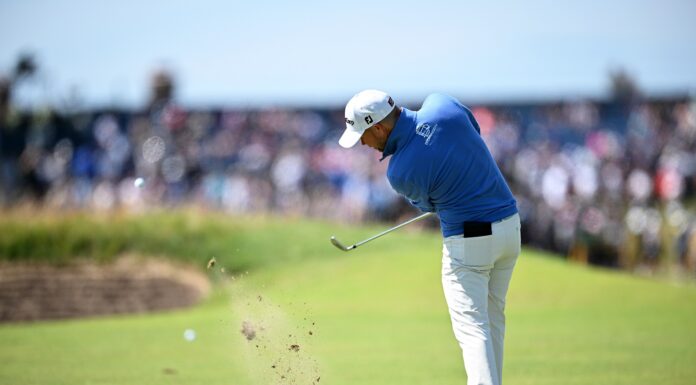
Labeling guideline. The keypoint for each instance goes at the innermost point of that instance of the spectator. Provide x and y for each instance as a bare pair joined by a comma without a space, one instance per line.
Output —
605,185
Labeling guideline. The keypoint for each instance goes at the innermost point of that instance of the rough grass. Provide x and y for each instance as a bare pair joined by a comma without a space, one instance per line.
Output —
237,243
377,317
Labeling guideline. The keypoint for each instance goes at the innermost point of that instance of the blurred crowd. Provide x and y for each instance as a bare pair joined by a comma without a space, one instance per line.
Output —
610,183
607,183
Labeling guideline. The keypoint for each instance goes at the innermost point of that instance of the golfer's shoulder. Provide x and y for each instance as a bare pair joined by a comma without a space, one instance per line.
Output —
439,105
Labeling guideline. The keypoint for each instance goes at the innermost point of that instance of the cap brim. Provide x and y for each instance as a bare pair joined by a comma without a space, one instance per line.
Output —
349,138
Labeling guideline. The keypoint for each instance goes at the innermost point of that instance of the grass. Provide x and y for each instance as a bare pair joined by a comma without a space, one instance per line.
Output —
191,236
377,316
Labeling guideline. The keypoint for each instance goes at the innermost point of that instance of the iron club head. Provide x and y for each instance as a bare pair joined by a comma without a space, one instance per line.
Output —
339,245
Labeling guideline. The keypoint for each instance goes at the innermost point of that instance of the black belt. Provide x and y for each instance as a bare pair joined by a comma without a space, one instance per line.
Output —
477,229
481,229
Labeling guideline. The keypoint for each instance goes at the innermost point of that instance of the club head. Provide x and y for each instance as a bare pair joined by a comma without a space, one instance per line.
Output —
339,245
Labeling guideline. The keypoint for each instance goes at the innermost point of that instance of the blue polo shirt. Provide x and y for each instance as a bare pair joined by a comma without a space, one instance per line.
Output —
440,163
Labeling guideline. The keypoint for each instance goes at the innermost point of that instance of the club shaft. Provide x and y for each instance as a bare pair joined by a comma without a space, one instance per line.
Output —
393,228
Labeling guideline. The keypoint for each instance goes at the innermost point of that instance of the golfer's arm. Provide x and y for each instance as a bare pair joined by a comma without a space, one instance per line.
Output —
421,200
425,207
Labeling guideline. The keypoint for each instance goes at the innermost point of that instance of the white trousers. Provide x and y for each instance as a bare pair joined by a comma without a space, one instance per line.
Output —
476,274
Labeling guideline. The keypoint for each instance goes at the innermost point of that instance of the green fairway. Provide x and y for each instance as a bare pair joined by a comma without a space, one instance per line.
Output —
376,316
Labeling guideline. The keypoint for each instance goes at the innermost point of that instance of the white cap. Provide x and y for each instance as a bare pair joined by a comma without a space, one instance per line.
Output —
364,110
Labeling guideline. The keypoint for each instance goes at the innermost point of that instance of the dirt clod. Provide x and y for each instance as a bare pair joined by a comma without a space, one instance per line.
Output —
248,330
294,348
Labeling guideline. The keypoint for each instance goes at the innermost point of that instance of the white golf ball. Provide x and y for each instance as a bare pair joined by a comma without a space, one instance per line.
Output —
139,182
189,335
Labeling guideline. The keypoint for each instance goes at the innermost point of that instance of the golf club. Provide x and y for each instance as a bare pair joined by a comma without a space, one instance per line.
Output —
340,245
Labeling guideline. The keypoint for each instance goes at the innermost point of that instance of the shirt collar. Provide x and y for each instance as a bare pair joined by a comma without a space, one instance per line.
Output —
402,130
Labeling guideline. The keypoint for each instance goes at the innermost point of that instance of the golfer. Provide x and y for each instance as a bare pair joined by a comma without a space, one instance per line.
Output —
440,163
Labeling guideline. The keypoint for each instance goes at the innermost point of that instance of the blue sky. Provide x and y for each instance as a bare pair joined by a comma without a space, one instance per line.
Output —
321,52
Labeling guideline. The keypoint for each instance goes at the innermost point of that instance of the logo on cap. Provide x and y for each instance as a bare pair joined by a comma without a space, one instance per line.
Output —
352,123
368,119
390,101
